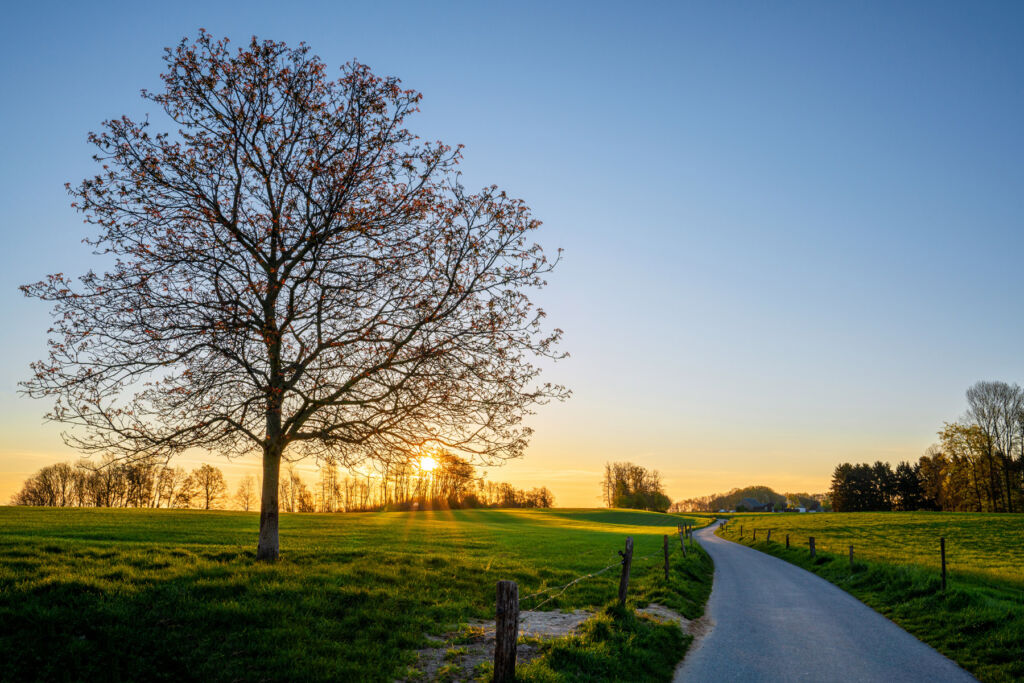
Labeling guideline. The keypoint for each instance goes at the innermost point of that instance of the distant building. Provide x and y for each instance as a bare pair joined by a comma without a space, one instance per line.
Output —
755,505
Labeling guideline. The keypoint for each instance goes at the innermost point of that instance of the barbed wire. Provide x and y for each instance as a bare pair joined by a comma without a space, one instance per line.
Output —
573,583
563,588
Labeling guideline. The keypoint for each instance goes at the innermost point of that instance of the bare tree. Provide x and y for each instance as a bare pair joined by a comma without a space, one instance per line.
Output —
995,407
246,493
294,274
210,485
171,481
187,494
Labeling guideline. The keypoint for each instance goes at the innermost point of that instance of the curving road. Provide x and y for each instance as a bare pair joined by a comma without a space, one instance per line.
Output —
775,621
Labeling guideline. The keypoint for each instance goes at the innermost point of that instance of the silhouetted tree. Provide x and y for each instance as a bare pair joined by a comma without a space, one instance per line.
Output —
210,485
246,493
909,493
293,273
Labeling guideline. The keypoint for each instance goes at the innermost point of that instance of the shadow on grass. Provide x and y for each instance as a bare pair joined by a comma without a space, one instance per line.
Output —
210,614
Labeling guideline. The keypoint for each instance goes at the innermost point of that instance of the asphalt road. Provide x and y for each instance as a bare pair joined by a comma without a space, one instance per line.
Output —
776,622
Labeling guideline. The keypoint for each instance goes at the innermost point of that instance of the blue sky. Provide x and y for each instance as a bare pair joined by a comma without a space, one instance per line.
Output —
793,231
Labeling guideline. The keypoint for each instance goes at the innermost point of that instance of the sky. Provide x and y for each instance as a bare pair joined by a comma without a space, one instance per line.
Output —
792,230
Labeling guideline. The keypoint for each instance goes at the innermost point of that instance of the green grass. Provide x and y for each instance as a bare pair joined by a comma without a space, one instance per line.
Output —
617,645
978,621
176,595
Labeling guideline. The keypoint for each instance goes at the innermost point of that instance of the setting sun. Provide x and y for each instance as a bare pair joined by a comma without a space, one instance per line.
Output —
427,463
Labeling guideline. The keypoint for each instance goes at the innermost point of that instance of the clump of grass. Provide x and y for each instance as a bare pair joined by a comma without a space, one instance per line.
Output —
616,645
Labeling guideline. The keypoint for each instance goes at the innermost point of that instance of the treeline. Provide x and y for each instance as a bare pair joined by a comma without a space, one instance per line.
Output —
626,485
451,483
142,484
977,466
762,494
869,488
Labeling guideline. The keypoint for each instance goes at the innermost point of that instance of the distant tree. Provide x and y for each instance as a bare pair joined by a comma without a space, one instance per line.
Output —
626,485
909,492
304,501
843,496
968,476
293,273
542,498
996,407
863,487
885,485
188,494
209,485
246,493
804,500
171,482
932,467
729,500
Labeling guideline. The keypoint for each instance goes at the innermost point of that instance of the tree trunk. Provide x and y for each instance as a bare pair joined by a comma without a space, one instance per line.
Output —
268,548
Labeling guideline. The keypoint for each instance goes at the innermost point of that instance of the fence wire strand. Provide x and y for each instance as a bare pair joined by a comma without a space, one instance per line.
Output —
563,588
567,586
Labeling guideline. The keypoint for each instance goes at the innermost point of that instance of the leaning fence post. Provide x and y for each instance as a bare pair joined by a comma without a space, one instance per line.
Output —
942,550
811,542
627,560
666,556
506,631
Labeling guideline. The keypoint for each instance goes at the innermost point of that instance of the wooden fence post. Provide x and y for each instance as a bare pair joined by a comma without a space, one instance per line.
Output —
682,543
627,560
506,631
755,536
741,531
666,556
851,557
942,549
769,539
787,541
811,542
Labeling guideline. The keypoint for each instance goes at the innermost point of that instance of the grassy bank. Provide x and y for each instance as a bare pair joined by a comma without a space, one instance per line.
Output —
978,621
172,595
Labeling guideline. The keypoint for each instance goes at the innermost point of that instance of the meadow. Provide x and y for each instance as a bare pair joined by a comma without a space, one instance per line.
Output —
977,621
120,594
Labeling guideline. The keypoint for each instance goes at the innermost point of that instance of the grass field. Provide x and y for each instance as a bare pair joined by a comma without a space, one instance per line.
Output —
978,620
101,594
